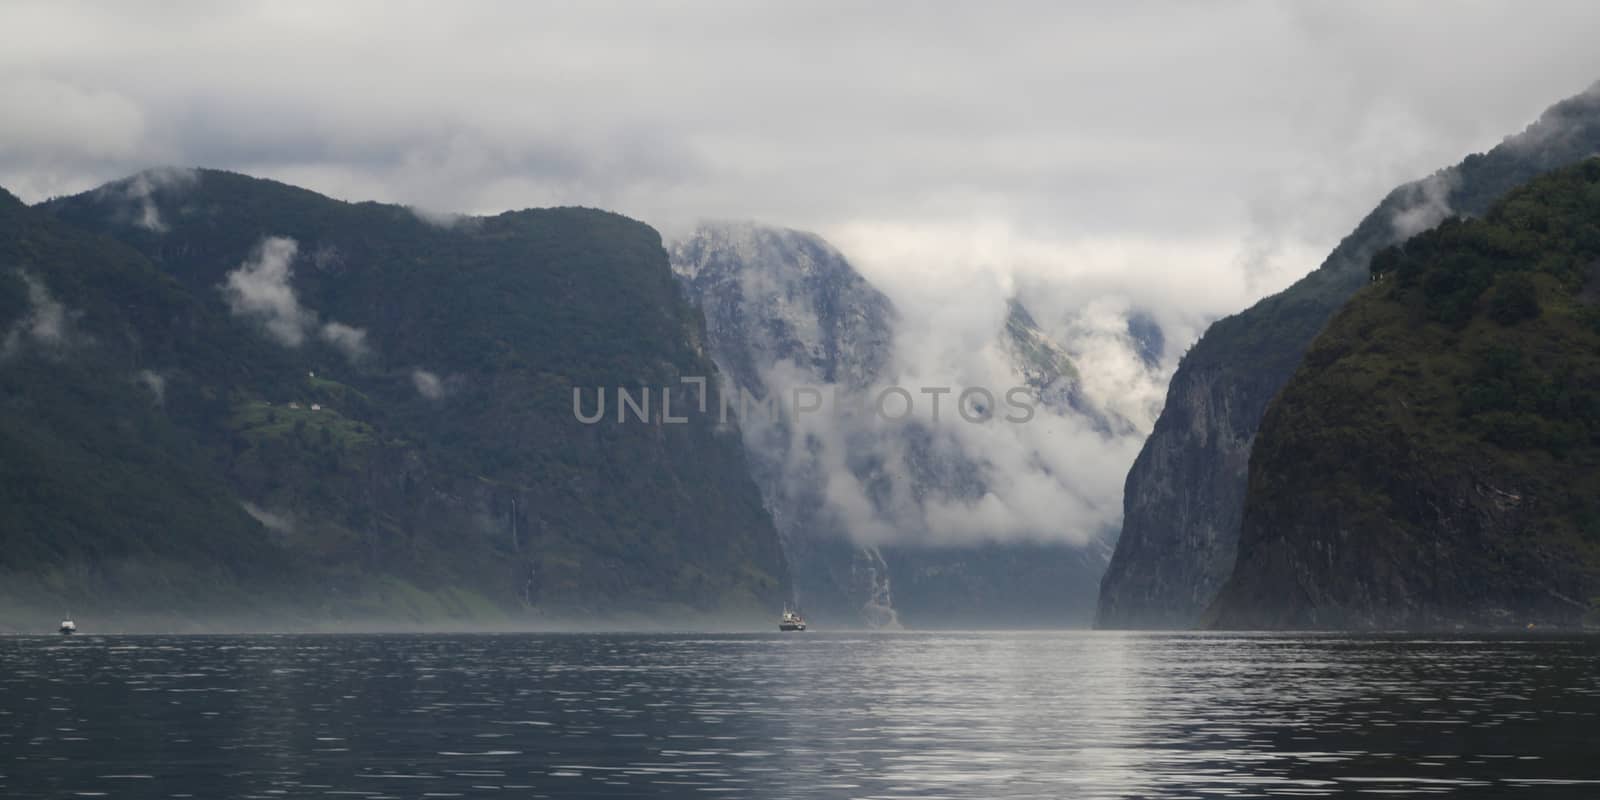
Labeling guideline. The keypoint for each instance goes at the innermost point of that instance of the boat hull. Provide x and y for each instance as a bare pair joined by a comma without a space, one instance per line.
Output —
791,626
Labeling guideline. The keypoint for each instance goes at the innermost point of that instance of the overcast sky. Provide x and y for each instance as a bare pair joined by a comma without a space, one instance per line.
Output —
1192,156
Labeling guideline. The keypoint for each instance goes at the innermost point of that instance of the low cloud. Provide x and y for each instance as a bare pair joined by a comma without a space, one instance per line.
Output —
1121,312
1115,373
350,341
1426,204
441,219
141,192
261,289
1091,361
428,384
47,326
155,382
950,482
277,523
1559,125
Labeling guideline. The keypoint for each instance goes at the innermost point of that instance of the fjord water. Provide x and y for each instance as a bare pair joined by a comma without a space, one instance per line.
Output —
984,715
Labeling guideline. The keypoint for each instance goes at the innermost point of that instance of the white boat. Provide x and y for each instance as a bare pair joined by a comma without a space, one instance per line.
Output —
68,627
791,621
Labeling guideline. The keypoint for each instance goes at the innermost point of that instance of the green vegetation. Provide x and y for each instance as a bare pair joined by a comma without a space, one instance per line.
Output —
1509,303
94,475
166,454
1436,457
1186,492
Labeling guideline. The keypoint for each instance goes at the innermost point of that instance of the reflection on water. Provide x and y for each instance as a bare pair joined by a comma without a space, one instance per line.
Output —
983,715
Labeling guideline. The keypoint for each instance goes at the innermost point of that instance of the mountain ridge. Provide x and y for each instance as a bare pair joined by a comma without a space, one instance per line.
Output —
388,402
1432,462
1184,496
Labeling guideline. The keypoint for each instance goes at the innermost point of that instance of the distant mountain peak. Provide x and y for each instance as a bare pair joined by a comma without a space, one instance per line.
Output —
1042,361
788,295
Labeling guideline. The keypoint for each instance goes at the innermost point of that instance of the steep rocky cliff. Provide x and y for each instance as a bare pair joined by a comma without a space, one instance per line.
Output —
377,409
849,491
783,308
1435,460
1183,500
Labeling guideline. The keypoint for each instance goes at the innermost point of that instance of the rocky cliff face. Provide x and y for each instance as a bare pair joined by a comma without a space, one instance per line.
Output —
1182,506
846,490
785,296
783,309
1183,500
381,403
1435,460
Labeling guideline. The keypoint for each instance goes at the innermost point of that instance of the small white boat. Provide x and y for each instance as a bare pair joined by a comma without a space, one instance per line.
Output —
68,627
791,621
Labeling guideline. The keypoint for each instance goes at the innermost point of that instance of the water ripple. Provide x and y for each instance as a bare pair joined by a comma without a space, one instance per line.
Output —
970,715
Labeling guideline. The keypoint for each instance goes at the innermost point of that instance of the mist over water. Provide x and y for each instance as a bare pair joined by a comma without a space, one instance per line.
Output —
827,716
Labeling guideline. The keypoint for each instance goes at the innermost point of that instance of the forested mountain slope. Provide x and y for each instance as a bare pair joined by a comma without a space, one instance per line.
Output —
260,398
1435,461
